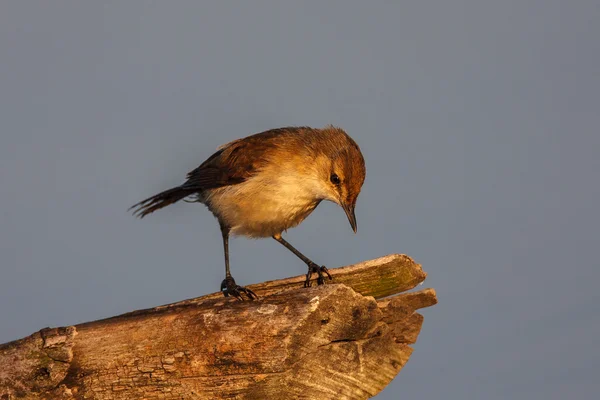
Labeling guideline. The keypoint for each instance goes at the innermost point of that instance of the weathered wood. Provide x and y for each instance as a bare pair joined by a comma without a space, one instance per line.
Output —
381,277
326,342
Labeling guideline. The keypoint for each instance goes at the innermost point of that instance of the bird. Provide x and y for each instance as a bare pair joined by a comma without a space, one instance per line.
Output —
261,185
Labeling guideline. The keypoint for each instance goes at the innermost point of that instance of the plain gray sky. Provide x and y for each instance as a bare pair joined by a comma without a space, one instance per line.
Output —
479,122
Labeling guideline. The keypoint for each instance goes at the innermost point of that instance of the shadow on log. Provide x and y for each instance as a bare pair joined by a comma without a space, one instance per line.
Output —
335,341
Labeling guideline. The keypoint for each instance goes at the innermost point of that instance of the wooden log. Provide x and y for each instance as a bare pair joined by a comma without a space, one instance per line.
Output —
333,341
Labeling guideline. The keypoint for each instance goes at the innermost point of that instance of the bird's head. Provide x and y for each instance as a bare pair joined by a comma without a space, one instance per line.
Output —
342,174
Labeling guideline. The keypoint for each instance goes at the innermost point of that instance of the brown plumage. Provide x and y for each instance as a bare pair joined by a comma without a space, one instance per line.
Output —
261,185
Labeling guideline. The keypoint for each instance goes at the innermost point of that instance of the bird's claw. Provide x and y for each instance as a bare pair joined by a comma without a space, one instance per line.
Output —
320,271
230,288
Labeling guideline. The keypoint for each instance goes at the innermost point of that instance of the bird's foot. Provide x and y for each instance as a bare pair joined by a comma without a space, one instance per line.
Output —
230,288
321,271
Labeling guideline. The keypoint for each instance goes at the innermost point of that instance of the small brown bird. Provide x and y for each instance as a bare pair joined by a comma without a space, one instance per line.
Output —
261,185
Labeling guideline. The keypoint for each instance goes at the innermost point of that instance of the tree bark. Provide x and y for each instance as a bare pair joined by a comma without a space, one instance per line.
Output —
334,341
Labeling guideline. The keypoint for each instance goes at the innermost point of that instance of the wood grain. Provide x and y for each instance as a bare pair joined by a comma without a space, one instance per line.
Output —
334,341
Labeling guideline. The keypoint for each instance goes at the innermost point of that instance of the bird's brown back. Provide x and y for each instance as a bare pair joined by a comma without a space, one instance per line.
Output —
240,159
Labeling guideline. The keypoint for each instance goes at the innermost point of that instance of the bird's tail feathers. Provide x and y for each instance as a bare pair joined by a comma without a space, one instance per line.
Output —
161,200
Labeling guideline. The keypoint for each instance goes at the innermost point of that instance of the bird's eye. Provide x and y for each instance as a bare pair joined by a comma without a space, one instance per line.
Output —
335,179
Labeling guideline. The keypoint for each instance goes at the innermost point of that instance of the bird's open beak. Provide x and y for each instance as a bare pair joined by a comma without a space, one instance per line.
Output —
349,209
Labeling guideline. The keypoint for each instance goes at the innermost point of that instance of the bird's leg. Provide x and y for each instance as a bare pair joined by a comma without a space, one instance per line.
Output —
228,286
312,267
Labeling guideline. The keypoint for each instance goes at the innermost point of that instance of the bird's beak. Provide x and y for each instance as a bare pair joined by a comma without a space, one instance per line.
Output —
349,209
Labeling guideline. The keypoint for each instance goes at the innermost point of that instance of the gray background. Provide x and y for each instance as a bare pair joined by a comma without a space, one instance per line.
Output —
478,120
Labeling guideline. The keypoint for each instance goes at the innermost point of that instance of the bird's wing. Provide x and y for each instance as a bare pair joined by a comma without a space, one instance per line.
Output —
236,161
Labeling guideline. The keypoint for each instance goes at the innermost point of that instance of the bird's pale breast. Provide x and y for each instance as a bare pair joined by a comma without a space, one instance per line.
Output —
264,205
